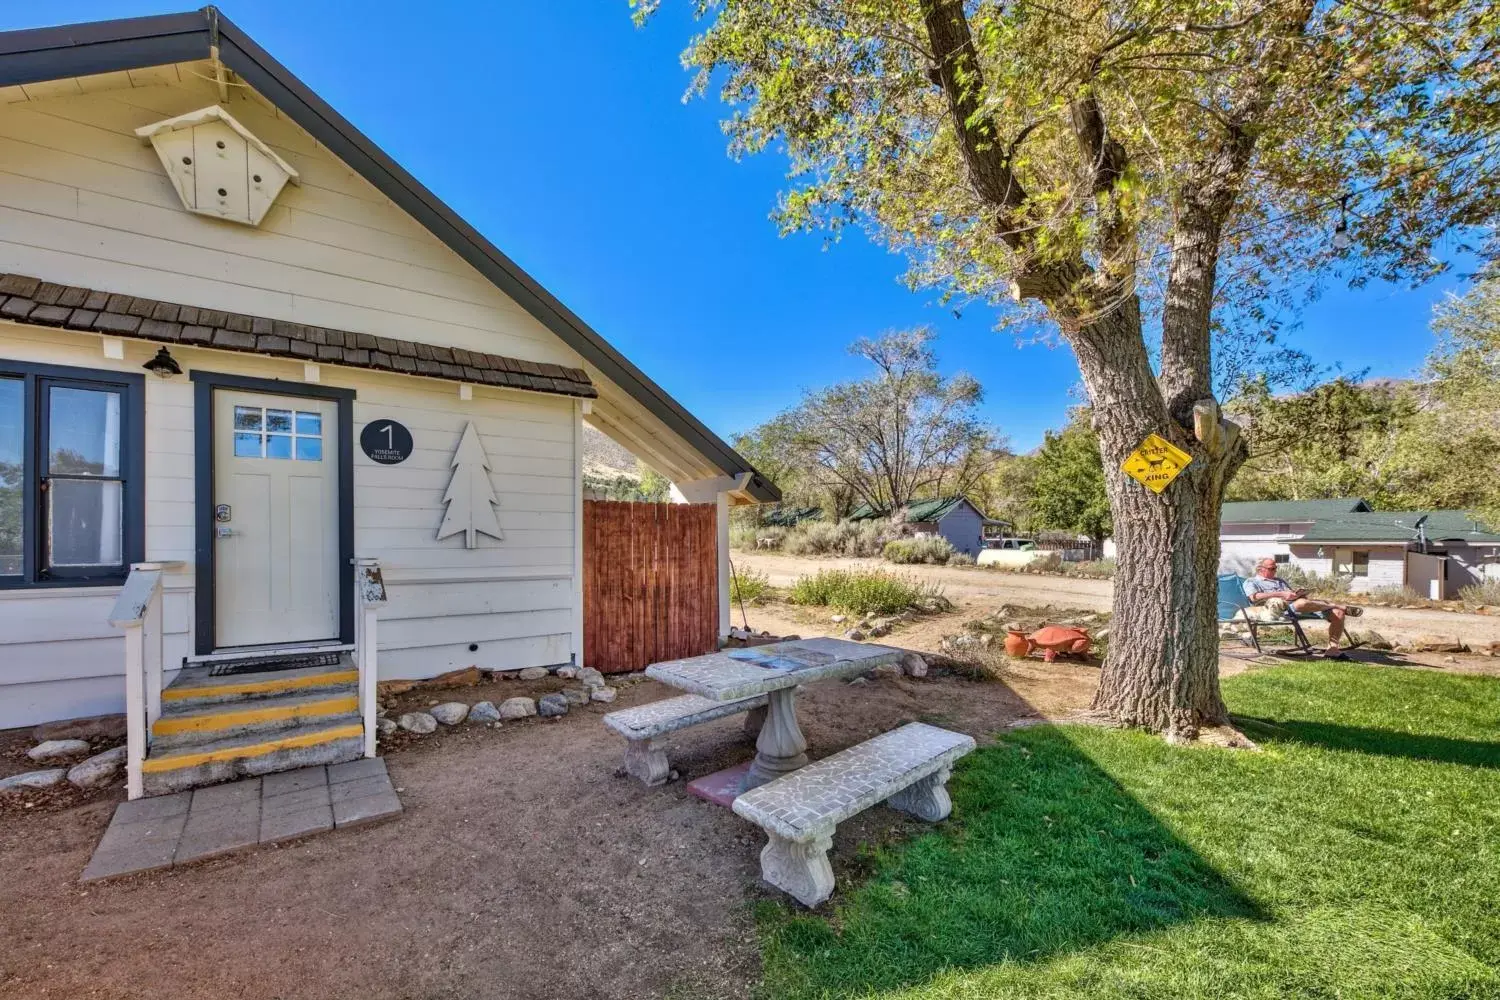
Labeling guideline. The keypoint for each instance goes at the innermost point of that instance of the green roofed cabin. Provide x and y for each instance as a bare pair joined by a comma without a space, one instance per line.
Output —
1436,553
955,518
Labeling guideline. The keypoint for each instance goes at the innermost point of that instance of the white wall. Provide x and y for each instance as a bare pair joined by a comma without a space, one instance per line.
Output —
1387,564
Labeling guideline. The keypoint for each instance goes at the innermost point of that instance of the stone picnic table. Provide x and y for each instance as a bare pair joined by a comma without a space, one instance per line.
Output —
775,671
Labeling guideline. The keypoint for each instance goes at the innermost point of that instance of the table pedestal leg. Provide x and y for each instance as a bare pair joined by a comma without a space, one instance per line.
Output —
781,746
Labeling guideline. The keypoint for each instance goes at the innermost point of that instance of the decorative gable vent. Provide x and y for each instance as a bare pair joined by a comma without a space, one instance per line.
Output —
217,166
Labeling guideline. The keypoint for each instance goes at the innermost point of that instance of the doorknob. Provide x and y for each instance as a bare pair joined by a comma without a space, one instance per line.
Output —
223,531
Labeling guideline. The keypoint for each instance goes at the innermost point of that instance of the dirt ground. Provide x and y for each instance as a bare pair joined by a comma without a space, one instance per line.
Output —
978,589
526,864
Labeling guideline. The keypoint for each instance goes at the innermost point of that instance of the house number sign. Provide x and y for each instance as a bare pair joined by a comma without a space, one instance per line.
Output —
386,442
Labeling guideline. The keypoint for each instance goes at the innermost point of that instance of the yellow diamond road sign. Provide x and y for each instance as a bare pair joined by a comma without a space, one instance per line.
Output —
1156,462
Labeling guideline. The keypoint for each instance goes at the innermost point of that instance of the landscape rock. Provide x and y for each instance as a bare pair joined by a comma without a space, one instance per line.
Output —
94,727
386,727
450,713
552,705
33,779
877,631
577,696
533,673
604,694
53,750
484,712
567,673
839,619
888,671
914,665
854,634
590,677
417,722
99,770
1437,644
517,708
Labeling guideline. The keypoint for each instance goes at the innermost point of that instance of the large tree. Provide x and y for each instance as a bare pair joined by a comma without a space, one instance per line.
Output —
1137,173
1067,487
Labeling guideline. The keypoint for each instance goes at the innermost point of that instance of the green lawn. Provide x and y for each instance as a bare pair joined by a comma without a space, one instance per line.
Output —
1358,855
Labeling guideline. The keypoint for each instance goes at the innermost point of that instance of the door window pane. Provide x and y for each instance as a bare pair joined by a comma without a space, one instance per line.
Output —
310,423
83,432
83,522
247,418
279,421
309,449
12,440
246,445
278,446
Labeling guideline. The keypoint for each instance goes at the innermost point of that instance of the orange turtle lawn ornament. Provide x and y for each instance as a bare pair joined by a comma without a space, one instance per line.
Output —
1052,640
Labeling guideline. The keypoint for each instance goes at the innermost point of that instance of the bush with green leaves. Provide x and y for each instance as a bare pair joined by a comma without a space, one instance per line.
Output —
1487,592
750,536
868,592
1314,583
932,550
837,538
748,586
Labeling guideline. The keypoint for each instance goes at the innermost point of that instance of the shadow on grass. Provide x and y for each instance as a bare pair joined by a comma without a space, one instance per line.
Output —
1382,742
1046,854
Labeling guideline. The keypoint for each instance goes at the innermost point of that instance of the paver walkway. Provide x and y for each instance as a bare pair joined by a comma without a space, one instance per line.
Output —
167,830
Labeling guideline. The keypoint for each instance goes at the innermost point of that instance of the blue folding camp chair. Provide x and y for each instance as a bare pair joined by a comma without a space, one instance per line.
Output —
1234,609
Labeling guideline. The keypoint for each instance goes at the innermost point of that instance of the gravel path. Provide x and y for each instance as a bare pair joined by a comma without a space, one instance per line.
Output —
993,587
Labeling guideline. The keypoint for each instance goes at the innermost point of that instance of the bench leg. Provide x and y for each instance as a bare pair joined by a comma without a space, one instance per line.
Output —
927,799
800,870
646,760
754,719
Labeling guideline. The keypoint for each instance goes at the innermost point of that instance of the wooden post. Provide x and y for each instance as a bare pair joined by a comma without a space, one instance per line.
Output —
367,676
135,709
137,612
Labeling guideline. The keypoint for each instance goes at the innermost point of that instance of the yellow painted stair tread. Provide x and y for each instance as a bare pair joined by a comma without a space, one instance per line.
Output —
260,686
289,741
248,715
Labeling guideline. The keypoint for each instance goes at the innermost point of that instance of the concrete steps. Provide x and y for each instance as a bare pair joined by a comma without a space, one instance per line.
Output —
215,729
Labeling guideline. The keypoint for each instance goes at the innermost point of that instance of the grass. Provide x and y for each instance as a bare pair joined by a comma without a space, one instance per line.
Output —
1354,857
863,592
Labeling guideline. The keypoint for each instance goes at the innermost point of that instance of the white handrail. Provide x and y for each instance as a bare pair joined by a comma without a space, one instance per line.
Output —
369,591
137,611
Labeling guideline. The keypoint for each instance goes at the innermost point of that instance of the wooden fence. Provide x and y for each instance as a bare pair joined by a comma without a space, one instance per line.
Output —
650,583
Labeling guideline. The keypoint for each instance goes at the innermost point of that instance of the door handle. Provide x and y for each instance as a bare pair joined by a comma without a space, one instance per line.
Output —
223,531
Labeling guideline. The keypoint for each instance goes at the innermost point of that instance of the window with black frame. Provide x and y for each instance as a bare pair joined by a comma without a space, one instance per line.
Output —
70,470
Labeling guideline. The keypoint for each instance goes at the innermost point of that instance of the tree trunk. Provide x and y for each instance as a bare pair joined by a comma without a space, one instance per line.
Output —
1162,668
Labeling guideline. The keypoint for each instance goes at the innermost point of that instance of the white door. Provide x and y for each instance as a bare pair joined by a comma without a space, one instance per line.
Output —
276,520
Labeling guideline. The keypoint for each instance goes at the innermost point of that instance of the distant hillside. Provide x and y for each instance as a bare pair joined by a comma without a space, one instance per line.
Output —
606,458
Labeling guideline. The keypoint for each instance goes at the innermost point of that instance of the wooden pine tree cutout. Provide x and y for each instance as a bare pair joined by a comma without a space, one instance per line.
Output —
470,499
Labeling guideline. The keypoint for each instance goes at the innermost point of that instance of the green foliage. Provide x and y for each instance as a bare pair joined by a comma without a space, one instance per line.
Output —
1352,858
843,538
1068,482
646,486
934,550
748,585
867,592
750,536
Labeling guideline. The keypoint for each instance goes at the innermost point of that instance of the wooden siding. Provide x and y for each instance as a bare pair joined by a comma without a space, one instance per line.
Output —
83,201
650,583
514,599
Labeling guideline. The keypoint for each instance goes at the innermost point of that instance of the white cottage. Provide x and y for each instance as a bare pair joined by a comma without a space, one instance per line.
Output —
266,402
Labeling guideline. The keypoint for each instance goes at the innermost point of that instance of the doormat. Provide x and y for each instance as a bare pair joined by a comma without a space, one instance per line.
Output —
257,664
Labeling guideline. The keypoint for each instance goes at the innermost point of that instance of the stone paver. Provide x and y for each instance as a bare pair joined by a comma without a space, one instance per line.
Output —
164,830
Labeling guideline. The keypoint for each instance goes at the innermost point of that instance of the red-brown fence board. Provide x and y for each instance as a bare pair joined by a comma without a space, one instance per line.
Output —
650,583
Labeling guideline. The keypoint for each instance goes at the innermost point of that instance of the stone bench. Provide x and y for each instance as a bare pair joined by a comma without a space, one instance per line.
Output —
644,726
906,768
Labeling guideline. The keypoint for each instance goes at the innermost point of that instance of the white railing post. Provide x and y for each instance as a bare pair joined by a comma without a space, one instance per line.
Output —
138,613
369,588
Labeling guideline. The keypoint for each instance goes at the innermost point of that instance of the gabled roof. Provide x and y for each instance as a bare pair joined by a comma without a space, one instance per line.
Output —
786,517
1400,526
1284,511
43,54
919,511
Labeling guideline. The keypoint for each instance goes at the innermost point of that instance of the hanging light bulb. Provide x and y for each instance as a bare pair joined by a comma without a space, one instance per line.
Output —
1341,239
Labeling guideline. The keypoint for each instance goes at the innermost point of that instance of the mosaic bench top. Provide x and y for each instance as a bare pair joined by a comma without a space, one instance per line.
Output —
646,721
809,802
731,674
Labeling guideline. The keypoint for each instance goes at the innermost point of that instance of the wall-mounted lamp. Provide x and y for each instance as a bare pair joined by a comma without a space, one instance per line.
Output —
163,364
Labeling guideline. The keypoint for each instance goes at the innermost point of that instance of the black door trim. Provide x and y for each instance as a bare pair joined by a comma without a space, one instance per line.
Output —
204,384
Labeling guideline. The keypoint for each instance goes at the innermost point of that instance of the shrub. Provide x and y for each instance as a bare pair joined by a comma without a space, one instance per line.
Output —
932,550
1396,595
748,585
836,538
1094,569
1487,592
868,592
751,537
1315,583
960,559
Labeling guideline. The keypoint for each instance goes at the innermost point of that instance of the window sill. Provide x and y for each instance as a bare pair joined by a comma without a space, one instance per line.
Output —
60,590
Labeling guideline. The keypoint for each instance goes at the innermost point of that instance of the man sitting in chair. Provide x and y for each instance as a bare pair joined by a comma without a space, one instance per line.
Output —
1271,598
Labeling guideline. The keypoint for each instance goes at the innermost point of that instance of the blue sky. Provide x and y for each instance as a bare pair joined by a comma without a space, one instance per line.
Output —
558,129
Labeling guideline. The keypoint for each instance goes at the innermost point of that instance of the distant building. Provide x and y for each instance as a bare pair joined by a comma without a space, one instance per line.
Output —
955,518
1436,553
